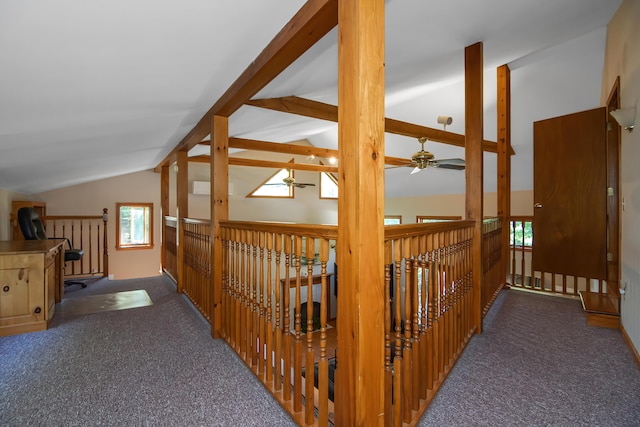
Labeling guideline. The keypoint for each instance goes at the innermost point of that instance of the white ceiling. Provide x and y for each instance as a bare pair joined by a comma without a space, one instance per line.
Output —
90,90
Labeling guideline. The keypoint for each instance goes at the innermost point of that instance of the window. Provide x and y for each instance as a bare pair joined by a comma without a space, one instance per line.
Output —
436,218
328,186
392,219
275,186
134,225
521,234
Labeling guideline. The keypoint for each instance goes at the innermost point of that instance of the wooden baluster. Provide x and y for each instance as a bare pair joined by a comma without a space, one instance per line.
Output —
512,242
414,320
90,246
309,371
224,327
242,295
268,332
397,362
287,325
236,291
297,349
253,306
457,271
450,316
323,364
388,370
431,312
277,384
423,347
105,249
441,304
262,313
407,357
83,260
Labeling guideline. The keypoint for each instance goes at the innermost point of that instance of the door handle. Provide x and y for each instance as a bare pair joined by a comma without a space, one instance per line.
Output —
537,205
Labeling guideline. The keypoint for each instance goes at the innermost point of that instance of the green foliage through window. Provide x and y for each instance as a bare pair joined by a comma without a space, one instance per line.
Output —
521,234
134,225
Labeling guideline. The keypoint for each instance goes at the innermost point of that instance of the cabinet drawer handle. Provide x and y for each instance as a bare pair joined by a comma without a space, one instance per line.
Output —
6,288
38,310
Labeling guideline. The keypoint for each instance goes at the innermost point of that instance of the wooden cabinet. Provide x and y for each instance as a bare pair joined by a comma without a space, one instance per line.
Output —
31,282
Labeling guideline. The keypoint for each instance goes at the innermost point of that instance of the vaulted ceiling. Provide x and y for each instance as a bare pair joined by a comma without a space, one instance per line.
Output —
90,90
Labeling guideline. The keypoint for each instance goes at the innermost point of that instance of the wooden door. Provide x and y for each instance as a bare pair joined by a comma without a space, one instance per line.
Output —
570,195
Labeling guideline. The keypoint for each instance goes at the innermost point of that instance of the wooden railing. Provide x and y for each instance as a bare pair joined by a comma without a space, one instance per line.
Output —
86,232
195,278
493,266
170,243
263,317
522,275
428,311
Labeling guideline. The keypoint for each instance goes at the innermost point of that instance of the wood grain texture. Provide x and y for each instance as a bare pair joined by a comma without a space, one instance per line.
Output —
219,173
504,160
474,123
360,245
320,110
570,185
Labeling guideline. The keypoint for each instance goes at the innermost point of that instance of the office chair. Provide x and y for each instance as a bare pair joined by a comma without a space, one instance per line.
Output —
33,229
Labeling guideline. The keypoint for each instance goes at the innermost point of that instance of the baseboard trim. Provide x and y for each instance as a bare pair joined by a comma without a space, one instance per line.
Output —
632,347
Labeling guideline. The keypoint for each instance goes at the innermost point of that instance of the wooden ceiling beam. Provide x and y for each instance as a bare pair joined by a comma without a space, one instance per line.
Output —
312,22
235,161
304,150
320,110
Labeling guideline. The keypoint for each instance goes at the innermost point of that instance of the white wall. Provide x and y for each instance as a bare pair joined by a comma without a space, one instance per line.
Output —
91,198
622,59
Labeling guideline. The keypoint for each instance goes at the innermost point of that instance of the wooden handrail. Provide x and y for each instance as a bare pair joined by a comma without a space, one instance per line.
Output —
410,230
311,230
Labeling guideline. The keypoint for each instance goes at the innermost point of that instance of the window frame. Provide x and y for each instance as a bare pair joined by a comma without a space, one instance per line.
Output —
333,179
146,245
420,219
292,194
394,217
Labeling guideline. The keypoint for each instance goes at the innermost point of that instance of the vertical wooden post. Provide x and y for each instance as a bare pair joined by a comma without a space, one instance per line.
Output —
473,64
219,212
182,190
360,251
164,211
182,183
504,163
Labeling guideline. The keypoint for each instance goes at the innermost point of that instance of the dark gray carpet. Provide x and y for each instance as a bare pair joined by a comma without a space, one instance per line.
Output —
538,364
149,366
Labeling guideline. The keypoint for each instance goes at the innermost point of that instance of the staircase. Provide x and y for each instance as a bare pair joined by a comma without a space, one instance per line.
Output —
601,310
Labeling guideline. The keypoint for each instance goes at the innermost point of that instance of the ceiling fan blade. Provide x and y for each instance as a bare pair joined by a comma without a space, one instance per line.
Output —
415,170
303,184
457,164
440,162
453,167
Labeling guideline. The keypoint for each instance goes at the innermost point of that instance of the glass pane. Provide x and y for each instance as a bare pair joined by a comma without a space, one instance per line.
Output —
328,188
134,225
275,187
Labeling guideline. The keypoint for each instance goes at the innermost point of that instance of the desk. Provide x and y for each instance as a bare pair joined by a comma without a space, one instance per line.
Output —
31,282
316,280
